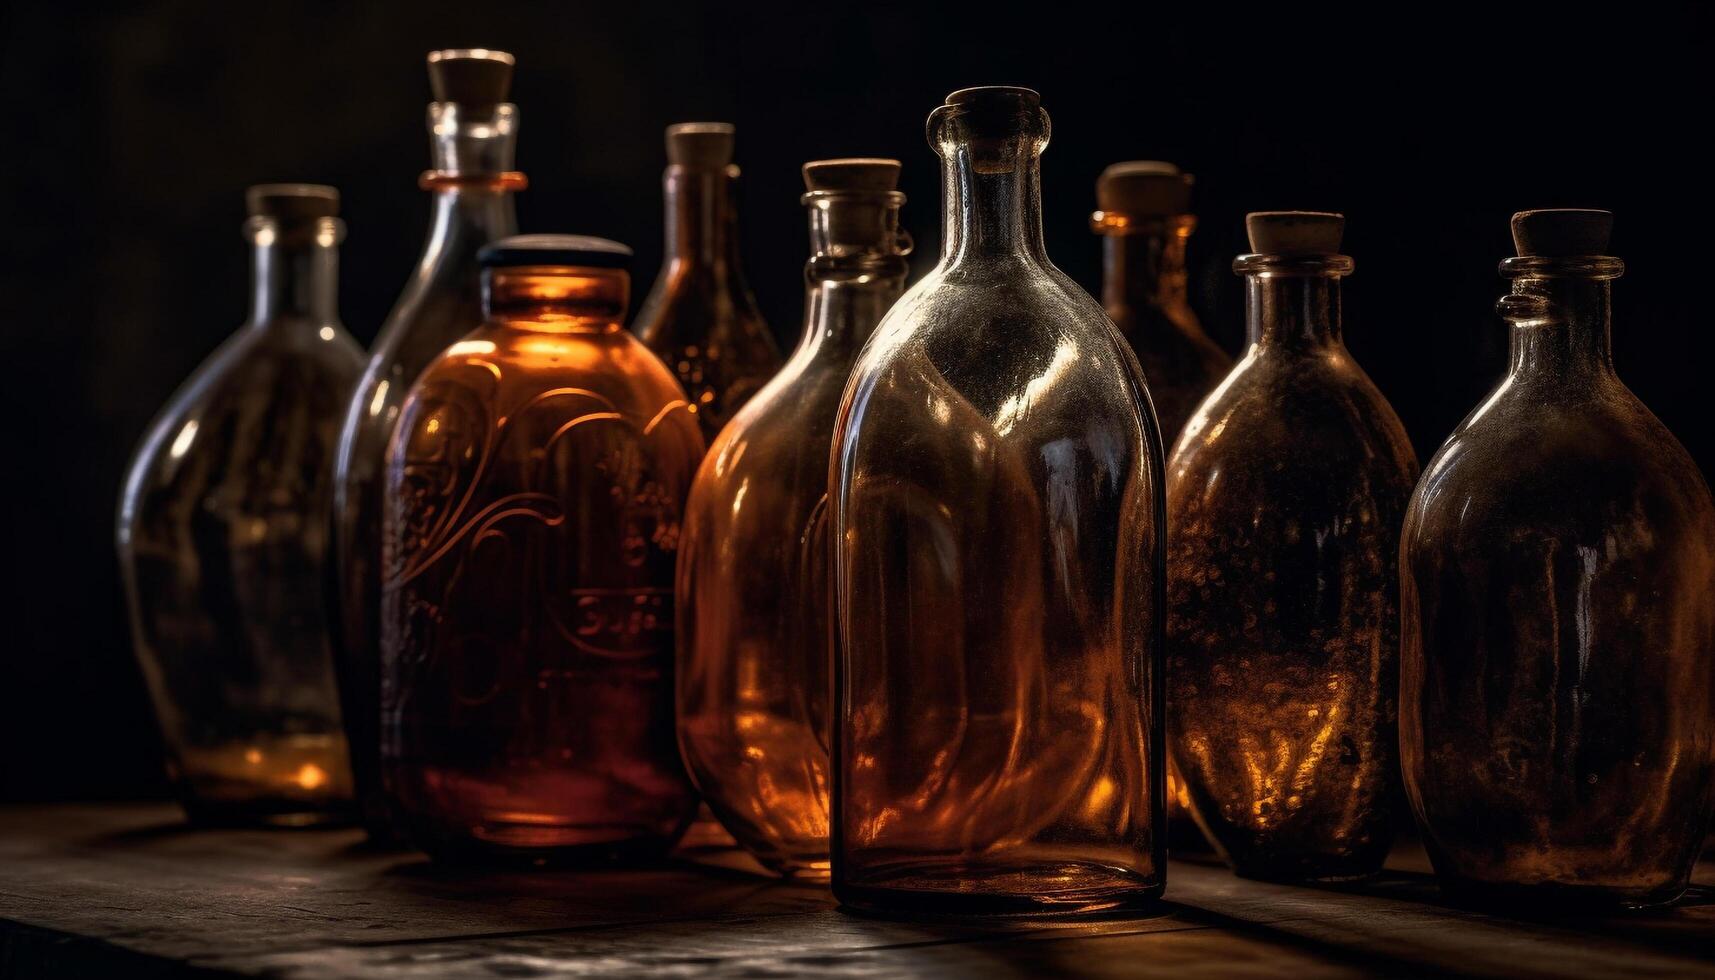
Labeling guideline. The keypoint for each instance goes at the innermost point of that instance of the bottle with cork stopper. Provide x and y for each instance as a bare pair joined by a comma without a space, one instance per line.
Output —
1285,497
700,316
1557,688
1144,219
473,133
222,536
752,587
996,517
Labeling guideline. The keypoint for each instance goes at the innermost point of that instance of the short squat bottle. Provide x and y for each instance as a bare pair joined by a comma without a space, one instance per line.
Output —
1285,497
1145,220
1558,588
223,534
534,491
473,132
753,586
700,317
997,513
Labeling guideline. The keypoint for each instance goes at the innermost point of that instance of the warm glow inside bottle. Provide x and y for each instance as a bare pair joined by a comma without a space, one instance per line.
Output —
1285,497
222,537
997,515
1557,696
753,591
700,317
534,490
473,134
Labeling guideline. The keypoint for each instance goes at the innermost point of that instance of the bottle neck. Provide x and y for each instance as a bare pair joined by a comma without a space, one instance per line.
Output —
472,150
556,299
1144,267
1561,315
702,224
1293,302
991,201
857,267
294,274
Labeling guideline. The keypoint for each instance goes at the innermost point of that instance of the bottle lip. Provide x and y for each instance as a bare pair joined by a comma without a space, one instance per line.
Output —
1120,224
1270,266
322,232
1562,267
889,198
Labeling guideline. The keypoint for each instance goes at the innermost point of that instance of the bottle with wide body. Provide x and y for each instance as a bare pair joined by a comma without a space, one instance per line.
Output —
222,538
1285,497
1557,717
754,624
473,133
535,485
998,528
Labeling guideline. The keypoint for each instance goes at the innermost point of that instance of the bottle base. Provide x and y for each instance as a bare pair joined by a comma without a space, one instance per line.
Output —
921,890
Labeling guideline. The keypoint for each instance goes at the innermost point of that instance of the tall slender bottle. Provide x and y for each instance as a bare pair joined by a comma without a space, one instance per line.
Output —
1285,496
473,134
700,317
534,489
753,617
1145,219
999,532
223,532
1557,696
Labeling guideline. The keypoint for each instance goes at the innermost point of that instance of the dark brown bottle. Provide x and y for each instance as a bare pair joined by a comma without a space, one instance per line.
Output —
222,538
1557,697
473,134
700,317
532,517
1144,221
1285,497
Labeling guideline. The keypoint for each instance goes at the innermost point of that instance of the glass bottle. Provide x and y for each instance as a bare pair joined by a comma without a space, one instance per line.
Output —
1557,696
222,535
1145,220
753,618
473,134
700,317
1285,497
534,489
998,528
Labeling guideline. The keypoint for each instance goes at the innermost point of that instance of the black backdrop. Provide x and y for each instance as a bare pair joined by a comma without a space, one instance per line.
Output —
132,129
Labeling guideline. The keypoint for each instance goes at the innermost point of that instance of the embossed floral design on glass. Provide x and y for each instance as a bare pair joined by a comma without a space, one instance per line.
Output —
473,134
754,627
534,491
222,536
1285,497
700,317
998,527
1557,697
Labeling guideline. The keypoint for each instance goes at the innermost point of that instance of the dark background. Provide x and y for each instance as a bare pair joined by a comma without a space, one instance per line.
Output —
131,131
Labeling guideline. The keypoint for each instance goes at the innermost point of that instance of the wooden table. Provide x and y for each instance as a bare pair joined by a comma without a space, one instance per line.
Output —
130,891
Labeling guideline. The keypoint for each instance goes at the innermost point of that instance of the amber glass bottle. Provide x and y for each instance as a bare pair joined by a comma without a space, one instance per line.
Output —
1558,595
534,491
700,317
998,527
1284,502
1144,220
753,616
472,135
222,534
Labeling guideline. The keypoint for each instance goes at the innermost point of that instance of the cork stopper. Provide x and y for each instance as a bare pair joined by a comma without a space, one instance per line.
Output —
1144,189
700,145
1562,232
471,76
292,204
1295,232
996,96
857,175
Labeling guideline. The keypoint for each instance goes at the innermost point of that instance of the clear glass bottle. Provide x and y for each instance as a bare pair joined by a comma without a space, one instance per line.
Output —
1557,696
222,536
753,591
700,317
1285,497
473,134
1145,219
534,489
999,534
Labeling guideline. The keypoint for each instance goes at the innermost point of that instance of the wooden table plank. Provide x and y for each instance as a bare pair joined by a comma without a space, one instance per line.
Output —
129,888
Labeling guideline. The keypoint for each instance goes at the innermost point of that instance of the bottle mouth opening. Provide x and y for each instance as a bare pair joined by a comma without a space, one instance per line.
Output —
1562,267
1267,266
